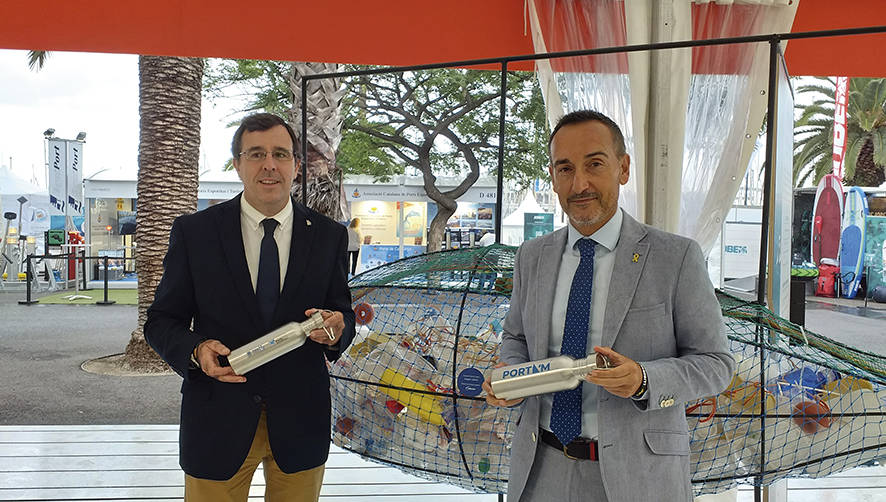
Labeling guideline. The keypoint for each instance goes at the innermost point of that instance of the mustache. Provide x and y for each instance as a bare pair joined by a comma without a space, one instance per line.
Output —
583,195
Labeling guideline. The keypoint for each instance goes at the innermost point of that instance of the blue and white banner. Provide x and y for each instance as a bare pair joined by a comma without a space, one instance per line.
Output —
57,163
75,177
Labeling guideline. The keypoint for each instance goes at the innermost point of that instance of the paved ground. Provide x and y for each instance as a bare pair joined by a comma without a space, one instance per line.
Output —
41,350
43,346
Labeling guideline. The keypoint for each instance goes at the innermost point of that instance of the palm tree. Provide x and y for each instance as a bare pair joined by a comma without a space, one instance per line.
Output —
865,155
170,90
325,190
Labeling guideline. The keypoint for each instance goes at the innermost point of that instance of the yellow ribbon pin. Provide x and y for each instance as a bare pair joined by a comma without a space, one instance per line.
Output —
636,257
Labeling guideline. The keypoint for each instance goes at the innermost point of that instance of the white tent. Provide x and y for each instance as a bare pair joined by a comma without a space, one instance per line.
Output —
512,225
11,185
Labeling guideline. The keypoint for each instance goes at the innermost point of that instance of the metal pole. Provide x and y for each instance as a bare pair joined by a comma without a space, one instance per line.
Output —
707,42
106,301
499,189
768,167
83,261
28,273
304,141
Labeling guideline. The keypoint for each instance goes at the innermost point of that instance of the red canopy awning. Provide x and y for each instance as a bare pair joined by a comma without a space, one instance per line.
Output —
394,32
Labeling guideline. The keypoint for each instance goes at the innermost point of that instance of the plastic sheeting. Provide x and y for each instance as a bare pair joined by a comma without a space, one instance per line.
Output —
723,88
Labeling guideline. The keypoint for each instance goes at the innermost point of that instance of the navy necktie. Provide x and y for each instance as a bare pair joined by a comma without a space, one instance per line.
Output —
566,412
267,286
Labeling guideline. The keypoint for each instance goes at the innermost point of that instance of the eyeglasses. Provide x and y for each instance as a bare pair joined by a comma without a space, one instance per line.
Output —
259,155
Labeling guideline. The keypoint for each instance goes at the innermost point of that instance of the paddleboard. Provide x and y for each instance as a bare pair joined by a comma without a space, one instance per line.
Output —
852,241
827,212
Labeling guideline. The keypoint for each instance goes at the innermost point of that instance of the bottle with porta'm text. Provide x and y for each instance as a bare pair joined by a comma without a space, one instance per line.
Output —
544,376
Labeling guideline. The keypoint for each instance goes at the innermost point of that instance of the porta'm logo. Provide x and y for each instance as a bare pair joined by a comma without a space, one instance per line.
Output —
529,369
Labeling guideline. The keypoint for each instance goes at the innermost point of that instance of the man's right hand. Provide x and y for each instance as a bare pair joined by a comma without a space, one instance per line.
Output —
207,354
494,401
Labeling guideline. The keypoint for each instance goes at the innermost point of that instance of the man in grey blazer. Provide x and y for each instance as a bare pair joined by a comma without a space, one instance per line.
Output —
651,310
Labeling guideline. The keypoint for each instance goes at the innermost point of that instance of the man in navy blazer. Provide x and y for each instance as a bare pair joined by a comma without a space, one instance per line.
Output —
206,304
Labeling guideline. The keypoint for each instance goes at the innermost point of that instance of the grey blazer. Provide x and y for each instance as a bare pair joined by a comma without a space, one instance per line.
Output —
662,312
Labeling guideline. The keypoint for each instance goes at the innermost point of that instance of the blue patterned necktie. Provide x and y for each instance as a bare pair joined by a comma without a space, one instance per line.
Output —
267,286
566,412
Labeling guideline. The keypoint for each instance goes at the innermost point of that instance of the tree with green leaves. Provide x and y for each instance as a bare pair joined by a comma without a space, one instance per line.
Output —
443,122
275,87
433,122
865,155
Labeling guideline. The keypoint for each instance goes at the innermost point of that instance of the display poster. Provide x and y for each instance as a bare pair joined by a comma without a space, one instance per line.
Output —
374,255
472,215
378,221
414,220
875,252
36,220
537,224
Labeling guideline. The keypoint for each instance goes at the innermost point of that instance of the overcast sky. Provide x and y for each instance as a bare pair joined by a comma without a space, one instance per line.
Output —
94,93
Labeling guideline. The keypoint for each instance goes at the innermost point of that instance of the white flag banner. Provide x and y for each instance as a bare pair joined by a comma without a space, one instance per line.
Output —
57,159
75,177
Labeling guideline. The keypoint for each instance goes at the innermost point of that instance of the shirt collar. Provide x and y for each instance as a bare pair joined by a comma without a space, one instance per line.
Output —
606,236
255,217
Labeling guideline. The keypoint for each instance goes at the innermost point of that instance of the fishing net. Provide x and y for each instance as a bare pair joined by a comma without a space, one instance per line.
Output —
407,391
818,411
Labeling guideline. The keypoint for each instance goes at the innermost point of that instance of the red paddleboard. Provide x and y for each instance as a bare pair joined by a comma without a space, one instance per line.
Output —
827,215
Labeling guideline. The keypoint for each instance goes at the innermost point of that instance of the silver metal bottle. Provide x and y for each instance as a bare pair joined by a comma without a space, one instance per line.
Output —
284,339
543,376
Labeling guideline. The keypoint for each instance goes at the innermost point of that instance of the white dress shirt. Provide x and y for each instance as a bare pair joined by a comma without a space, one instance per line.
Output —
606,238
253,232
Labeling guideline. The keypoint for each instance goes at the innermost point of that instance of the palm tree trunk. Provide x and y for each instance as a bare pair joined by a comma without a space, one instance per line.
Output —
169,147
867,173
325,190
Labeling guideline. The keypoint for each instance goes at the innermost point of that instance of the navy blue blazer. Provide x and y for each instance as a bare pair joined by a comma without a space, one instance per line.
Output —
206,280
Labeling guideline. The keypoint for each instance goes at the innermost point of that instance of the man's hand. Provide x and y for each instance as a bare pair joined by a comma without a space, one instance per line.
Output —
623,379
334,321
207,354
490,396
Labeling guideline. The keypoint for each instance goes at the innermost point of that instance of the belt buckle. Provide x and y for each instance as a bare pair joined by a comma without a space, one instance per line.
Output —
566,452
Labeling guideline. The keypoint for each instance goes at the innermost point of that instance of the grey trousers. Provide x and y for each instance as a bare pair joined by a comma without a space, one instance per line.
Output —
555,477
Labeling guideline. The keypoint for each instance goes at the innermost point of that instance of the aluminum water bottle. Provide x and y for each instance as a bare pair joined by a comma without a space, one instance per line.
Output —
284,339
543,376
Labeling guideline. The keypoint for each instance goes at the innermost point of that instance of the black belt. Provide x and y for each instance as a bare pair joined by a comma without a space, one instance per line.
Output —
578,449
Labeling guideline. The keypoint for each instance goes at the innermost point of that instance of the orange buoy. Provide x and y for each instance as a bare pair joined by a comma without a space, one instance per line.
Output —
364,313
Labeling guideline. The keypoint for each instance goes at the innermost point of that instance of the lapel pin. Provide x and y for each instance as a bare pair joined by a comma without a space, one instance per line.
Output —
308,222
636,258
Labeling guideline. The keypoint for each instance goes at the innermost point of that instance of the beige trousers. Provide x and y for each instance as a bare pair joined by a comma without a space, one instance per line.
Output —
302,486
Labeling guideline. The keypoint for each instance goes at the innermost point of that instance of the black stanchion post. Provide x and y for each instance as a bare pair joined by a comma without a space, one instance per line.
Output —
28,273
106,301
83,261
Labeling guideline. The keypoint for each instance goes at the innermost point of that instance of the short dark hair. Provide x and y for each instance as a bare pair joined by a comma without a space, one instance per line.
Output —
262,122
580,116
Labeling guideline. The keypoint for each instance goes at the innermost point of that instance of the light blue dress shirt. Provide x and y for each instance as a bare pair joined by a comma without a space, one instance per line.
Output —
606,238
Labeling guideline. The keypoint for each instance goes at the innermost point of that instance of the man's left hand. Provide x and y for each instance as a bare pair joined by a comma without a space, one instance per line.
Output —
623,379
334,321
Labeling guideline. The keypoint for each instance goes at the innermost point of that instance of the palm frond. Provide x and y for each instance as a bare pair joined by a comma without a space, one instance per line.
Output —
36,59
